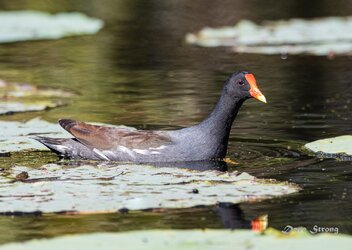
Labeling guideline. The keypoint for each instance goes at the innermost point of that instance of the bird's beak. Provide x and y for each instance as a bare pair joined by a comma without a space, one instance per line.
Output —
254,90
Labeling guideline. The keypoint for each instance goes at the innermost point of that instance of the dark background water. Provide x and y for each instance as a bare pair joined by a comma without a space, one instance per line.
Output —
138,71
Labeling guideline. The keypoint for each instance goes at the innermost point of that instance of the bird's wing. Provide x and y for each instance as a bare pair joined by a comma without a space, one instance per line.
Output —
108,138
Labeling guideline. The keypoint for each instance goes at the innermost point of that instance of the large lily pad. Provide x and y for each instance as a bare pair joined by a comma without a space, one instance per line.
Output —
24,97
336,147
34,25
188,239
320,36
16,136
105,189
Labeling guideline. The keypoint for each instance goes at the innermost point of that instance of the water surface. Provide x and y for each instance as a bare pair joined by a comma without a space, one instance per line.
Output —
139,72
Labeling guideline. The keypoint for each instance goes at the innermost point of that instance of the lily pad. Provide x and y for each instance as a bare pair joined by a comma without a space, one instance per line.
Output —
320,36
34,25
188,239
336,147
107,189
24,97
15,136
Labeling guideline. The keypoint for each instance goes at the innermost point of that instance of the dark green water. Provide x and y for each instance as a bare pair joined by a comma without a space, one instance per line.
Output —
139,72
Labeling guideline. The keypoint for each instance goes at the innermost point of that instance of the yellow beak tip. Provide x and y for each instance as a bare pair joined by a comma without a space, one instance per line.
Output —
261,98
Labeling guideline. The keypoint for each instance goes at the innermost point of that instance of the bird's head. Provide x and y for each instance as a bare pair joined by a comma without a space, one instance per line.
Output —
243,85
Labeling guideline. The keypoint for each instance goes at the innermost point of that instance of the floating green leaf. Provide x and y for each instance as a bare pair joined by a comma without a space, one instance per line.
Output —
188,239
336,147
320,36
108,188
16,136
34,25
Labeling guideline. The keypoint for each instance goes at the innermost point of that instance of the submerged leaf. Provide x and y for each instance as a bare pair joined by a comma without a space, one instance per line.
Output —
320,36
35,25
7,108
103,189
187,239
336,147
24,97
14,89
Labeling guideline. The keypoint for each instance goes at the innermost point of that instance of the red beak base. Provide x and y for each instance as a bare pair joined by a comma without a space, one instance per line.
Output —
254,90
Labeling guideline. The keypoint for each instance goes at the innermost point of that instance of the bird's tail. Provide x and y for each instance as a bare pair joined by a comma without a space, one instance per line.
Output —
68,148
57,145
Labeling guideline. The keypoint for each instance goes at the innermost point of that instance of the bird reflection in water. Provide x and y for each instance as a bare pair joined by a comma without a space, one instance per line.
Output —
232,217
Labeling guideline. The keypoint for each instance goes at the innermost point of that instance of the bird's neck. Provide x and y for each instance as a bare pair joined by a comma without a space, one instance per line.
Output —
218,123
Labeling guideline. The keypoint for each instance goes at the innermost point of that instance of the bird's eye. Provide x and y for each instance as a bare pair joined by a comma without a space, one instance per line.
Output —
240,82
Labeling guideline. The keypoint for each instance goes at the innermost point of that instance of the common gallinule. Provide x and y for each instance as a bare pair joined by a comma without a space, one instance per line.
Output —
204,141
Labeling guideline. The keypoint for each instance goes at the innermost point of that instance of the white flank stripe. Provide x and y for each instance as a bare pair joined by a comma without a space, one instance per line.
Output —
158,148
126,150
97,151
142,151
